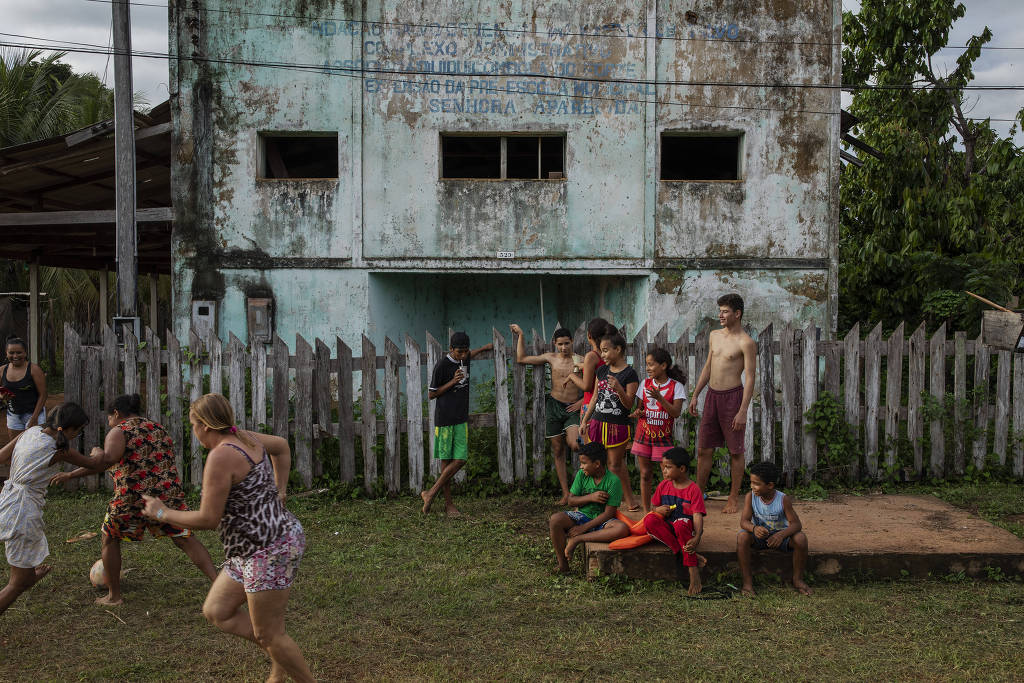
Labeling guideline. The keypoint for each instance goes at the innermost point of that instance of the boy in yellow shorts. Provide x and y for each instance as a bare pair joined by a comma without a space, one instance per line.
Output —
449,385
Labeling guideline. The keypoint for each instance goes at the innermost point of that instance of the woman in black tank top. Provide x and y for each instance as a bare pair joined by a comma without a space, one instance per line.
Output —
28,384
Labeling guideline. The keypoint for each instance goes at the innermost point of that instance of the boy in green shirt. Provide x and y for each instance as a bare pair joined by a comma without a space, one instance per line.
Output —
596,493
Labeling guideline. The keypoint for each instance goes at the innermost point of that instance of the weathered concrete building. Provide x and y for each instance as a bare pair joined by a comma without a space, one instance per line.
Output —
396,165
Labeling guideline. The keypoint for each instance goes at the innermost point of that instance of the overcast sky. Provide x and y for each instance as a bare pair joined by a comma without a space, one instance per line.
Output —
89,22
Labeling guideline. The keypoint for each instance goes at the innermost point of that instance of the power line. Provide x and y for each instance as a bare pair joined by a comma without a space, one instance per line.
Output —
551,33
98,49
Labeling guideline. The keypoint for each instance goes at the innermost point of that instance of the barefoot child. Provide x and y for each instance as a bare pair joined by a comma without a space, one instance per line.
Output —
596,493
140,456
586,372
661,402
562,425
679,527
732,358
35,456
449,385
607,419
770,522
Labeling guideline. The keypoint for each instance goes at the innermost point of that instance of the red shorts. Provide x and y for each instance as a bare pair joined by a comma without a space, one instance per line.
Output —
608,434
720,407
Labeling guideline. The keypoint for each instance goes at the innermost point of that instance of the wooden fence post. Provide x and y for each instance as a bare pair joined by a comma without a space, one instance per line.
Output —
915,391
304,410
518,413
279,387
258,372
91,371
538,412
937,373
174,397
236,380
748,433
1018,415
434,353
346,426
787,353
414,412
195,376
851,387
505,465
872,394
324,423
1002,421
681,354
640,350
893,393
766,361
215,350
153,409
959,400
981,372
368,372
129,361
392,427
700,352
810,387
73,382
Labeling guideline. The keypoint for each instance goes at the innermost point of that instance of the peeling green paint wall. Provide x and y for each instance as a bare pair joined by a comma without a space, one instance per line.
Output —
388,246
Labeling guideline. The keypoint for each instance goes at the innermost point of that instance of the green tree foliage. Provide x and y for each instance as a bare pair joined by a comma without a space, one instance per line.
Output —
941,212
38,96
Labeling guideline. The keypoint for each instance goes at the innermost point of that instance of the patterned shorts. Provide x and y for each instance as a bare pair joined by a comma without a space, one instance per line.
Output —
271,569
134,527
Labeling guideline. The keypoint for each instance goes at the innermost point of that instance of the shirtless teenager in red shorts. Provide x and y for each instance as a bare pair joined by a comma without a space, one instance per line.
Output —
732,356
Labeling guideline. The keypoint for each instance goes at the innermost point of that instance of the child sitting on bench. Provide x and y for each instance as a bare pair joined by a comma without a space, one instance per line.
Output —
678,519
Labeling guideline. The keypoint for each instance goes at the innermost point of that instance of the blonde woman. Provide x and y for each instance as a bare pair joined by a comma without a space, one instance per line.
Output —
244,485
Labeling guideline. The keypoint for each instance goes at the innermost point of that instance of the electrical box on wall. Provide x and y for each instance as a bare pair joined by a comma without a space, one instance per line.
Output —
260,320
204,317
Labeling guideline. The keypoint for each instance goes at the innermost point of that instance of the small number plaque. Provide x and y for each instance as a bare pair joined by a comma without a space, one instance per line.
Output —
506,254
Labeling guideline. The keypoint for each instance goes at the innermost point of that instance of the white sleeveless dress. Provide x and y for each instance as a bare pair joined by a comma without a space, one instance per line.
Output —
23,497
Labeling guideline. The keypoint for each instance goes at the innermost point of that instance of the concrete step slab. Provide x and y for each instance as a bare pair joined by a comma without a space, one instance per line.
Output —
885,536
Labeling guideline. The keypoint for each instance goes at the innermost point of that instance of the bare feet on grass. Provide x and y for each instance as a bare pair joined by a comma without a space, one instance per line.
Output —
426,501
109,600
731,506
802,588
41,571
695,584
747,590
452,511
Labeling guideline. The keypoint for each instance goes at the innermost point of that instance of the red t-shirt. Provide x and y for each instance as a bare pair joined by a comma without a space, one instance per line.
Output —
690,500
655,425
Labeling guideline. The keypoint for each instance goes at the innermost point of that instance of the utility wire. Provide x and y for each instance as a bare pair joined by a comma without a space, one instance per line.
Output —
551,33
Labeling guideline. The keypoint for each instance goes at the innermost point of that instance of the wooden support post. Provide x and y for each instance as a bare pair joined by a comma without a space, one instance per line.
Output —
104,296
33,310
346,425
502,418
414,412
937,384
124,165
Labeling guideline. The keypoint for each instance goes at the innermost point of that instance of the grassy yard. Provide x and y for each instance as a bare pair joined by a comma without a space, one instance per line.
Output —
387,594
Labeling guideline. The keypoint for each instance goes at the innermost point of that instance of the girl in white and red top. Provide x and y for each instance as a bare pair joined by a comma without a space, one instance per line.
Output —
661,396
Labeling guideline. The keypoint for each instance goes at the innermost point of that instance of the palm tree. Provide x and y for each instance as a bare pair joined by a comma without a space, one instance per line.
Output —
38,99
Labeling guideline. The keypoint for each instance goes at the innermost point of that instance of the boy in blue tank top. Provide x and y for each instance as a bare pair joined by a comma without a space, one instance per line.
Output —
769,522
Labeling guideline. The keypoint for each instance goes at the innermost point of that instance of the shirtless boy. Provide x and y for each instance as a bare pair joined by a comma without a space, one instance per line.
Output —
732,356
563,403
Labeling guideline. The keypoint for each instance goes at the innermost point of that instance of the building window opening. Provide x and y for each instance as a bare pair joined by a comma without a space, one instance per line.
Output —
701,157
512,157
299,156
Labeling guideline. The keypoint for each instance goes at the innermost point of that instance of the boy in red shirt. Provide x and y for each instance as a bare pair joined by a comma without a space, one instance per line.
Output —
679,527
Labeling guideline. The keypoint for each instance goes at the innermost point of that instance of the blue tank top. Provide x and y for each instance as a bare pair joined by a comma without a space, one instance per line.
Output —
770,515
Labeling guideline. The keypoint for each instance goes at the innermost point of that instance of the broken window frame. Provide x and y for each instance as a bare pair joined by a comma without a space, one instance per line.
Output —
738,136
504,156
264,161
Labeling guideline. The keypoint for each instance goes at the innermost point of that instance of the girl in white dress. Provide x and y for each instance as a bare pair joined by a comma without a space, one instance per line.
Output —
37,454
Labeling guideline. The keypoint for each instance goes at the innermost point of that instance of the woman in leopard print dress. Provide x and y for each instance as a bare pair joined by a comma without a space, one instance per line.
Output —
244,485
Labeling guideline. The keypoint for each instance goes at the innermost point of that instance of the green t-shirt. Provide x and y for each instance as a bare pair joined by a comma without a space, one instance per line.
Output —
584,485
